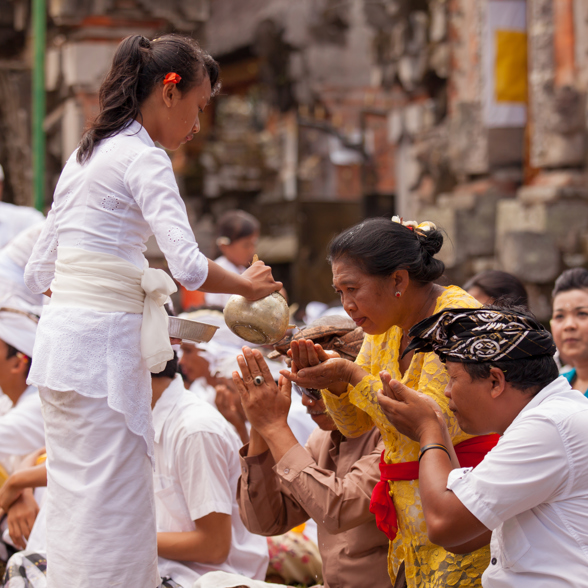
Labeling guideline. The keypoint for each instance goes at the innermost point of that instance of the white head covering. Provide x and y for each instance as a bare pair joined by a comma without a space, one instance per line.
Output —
18,324
222,350
13,259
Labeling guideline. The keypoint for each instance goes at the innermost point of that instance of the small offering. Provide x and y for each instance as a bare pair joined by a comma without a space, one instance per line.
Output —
190,330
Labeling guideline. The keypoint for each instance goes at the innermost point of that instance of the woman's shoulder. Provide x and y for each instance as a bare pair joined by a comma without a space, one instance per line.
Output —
455,297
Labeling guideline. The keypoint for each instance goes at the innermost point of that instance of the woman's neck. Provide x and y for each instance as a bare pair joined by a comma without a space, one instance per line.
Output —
581,374
422,304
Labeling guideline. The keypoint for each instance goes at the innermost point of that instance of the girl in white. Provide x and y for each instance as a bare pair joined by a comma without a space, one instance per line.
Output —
105,327
238,234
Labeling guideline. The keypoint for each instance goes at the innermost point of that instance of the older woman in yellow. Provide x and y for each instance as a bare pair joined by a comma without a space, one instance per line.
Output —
384,272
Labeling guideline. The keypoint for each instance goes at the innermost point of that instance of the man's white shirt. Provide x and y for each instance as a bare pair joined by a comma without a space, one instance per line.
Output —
196,473
531,490
22,429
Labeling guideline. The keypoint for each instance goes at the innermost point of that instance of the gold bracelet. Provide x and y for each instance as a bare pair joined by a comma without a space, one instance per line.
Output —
433,446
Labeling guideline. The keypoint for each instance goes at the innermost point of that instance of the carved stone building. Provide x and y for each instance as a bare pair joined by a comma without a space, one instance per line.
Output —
468,113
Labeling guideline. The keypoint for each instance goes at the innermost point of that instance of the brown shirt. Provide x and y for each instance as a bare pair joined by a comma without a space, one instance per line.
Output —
330,481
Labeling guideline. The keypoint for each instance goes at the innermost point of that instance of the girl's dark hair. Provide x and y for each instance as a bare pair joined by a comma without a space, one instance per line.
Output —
572,279
137,67
380,247
500,286
237,224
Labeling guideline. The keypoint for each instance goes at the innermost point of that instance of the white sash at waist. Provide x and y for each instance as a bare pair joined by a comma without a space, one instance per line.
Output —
107,283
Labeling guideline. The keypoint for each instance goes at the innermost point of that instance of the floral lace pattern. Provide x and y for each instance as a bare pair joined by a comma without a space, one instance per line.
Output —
97,354
356,412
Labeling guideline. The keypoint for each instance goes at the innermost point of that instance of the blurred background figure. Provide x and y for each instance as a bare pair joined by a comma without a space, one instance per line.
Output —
569,325
14,219
492,285
237,237
13,259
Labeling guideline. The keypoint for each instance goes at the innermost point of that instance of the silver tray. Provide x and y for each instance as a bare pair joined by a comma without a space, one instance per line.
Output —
190,330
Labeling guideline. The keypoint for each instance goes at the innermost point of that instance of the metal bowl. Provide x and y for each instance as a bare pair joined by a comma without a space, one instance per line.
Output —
263,322
190,330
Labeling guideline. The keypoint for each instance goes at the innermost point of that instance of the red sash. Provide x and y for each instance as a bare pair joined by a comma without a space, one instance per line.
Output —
469,453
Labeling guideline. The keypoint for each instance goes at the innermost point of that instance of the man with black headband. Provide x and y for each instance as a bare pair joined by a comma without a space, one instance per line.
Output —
531,490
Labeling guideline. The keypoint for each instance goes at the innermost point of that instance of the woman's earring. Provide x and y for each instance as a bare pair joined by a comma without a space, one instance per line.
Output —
398,294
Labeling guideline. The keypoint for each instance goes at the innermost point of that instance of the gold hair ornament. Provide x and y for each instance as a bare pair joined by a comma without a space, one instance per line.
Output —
423,228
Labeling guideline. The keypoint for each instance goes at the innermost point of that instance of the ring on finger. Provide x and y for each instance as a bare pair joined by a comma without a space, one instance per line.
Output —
258,380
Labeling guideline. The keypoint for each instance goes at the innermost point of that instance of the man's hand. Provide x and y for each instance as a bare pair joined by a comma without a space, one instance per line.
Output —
411,413
21,518
266,406
9,493
229,405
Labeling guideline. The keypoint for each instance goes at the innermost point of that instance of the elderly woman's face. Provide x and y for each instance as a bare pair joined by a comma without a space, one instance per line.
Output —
569,324
368,300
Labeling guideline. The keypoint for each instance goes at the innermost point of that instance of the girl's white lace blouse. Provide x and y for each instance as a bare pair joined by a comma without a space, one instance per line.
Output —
112,204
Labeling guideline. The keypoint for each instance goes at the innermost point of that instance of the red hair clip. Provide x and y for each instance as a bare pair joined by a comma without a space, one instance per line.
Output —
172,78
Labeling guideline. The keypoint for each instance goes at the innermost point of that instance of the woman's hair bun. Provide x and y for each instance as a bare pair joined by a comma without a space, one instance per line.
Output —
380,247
431,241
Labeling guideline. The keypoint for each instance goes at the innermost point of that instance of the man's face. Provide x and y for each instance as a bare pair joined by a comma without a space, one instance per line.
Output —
192,364
469,400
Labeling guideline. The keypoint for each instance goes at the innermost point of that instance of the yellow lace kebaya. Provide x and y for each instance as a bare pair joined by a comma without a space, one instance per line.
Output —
355,412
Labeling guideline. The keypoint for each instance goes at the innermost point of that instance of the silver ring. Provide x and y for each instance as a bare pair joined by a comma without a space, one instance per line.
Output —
258,380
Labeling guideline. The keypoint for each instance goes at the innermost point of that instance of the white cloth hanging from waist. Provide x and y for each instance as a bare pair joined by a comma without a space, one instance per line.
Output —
107,283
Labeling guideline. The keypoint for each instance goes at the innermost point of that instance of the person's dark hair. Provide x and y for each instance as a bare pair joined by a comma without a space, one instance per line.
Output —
500,286
529,375
137,67
380,246
170,370
572,279
13,351
237,224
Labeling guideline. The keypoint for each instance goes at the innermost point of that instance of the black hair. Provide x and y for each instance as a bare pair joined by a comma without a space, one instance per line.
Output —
237,224
572,279
170,370
501,286
137,67
529,375
380,246
13,351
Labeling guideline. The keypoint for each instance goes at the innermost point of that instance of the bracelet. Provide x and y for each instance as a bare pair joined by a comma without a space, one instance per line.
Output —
433,446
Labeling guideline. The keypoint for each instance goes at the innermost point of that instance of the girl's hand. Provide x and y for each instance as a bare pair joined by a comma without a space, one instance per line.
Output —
260,281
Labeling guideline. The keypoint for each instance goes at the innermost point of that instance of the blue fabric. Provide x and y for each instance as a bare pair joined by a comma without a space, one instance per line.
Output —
569,376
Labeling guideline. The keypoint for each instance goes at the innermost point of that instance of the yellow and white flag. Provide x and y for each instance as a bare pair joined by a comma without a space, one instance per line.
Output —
505,64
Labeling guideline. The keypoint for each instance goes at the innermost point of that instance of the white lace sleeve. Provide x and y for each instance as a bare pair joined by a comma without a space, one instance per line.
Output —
150,180
40,269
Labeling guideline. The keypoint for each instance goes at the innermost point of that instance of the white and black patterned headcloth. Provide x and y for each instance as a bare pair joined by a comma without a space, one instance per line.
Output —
481,335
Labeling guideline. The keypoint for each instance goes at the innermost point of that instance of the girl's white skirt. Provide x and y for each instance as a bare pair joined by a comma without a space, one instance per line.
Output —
100,506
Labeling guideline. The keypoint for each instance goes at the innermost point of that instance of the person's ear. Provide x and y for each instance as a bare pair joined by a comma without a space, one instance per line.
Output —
400,280
169,94
497,382
21,364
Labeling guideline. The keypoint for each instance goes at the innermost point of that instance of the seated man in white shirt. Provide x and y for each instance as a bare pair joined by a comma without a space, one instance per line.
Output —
21,428
14,219
196,475
531,490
